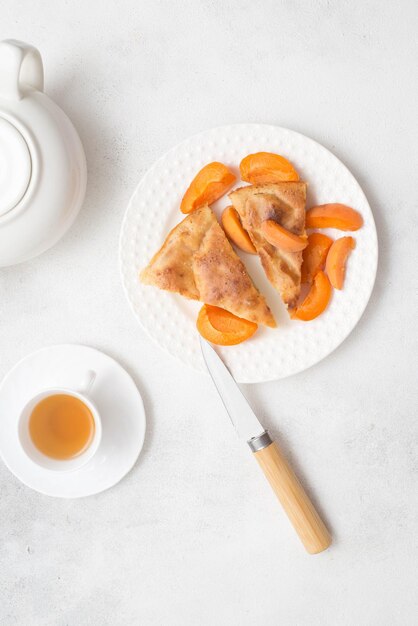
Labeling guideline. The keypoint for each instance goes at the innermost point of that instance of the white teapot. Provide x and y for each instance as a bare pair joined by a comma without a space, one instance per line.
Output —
43,171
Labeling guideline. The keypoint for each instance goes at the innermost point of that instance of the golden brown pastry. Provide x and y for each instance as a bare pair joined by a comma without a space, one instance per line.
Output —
197,261
283,203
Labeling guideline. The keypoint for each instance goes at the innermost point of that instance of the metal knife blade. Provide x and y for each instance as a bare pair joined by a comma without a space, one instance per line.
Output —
240,413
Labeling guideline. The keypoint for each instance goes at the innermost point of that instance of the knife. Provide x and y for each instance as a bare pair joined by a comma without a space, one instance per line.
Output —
293,498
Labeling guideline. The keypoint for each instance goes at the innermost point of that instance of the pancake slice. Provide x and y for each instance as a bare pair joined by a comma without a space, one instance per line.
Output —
198,262
283,203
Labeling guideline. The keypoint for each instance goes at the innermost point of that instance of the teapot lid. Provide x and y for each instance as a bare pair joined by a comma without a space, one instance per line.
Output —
21,70
15,166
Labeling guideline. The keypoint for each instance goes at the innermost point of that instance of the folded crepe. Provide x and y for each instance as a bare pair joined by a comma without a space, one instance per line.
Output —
283,203
198,262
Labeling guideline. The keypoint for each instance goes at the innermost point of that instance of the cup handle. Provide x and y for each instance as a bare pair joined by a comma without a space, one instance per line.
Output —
20,68
88,382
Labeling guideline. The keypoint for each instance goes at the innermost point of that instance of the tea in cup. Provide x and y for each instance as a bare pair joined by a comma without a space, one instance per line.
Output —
60,429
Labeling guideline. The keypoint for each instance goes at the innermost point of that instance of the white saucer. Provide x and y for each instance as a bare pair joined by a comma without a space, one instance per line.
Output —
116,397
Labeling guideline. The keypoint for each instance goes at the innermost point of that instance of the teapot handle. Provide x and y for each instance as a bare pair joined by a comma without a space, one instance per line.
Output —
21,69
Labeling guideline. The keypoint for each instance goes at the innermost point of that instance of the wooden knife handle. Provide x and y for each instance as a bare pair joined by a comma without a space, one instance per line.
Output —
299,509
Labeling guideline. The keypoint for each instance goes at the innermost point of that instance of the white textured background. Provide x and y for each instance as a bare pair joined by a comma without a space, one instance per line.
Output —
193,537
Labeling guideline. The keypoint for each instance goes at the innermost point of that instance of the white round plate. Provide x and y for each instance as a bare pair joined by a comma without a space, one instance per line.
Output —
170,319
116,397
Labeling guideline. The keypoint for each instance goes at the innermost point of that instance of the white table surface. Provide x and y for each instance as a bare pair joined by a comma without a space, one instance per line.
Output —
193,536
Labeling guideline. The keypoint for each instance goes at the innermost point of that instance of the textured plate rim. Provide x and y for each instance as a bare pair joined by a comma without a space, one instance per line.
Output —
255,126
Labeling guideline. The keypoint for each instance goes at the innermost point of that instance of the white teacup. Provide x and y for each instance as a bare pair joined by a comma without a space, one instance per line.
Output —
34,454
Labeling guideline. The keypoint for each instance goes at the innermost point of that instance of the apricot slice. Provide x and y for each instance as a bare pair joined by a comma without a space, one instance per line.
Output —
235,231
314,255
266,167
337,259
282,238
222,327
209,184
333,215
316,301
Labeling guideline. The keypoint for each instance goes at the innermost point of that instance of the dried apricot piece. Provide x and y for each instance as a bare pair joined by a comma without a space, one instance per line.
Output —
235,231
337,259
222,327
266,167
209,184
316,301
333,215
314,255
282,238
